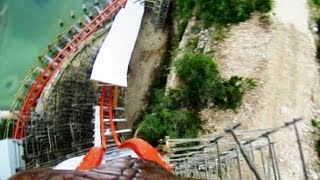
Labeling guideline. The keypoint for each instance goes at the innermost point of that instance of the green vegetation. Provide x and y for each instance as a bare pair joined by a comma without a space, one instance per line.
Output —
201,83
263,6
316,2
184,8
199,75
4,131
220,32
226,12
318,51
165,117
2,126
183,12
230,94
316,124
221,12
193,42
315,11
176,113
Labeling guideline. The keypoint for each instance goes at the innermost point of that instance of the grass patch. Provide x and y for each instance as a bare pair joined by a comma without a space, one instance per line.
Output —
192,43
219,33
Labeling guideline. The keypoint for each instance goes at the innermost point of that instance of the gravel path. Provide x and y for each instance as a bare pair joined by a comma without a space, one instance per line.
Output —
282,59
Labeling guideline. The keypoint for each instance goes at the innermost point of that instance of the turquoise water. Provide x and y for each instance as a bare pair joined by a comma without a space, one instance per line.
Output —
26,28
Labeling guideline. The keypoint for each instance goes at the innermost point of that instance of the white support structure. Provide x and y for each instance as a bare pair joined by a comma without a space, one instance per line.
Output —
5,114
121,131
115,120
11,152
97,134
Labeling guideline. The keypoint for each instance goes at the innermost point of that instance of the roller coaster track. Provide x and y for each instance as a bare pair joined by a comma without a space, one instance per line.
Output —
108,98
108,103
32,97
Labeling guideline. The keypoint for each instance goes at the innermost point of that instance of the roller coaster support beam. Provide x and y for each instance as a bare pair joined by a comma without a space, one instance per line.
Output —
244,153
294,122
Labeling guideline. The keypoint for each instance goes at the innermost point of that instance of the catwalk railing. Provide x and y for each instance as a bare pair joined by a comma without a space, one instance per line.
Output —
235,154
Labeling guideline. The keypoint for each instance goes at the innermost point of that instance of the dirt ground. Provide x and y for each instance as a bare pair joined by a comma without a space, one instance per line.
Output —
281,58
146,56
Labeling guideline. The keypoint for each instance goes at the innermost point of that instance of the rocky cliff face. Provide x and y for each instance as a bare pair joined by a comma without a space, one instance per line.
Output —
146,58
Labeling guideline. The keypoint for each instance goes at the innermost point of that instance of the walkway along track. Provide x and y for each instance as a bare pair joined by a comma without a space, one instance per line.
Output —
38,86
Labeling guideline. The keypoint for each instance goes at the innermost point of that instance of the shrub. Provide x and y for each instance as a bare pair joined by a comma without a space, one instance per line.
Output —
219,33
265,6
318,51
201,82
198,74
316,124
193,42
184,9
222,11
181,28
183,12
316,2
2,126
225,11
232,92
152,129
166,118
6,129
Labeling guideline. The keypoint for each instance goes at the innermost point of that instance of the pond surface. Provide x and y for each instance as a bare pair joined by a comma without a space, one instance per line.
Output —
26,28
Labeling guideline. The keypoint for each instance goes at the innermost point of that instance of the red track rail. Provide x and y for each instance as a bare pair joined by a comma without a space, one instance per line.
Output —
37,88
111,116
102,128
144,150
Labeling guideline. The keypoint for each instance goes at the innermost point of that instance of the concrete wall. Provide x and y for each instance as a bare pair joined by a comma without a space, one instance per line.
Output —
11,152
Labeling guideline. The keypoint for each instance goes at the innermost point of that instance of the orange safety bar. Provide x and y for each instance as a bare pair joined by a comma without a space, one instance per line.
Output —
92,159
34,93
145,151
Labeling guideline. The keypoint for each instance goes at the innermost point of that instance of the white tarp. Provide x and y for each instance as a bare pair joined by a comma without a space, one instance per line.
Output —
111,64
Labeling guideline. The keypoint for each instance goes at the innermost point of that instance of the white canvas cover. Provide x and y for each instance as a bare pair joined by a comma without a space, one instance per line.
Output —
112,62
